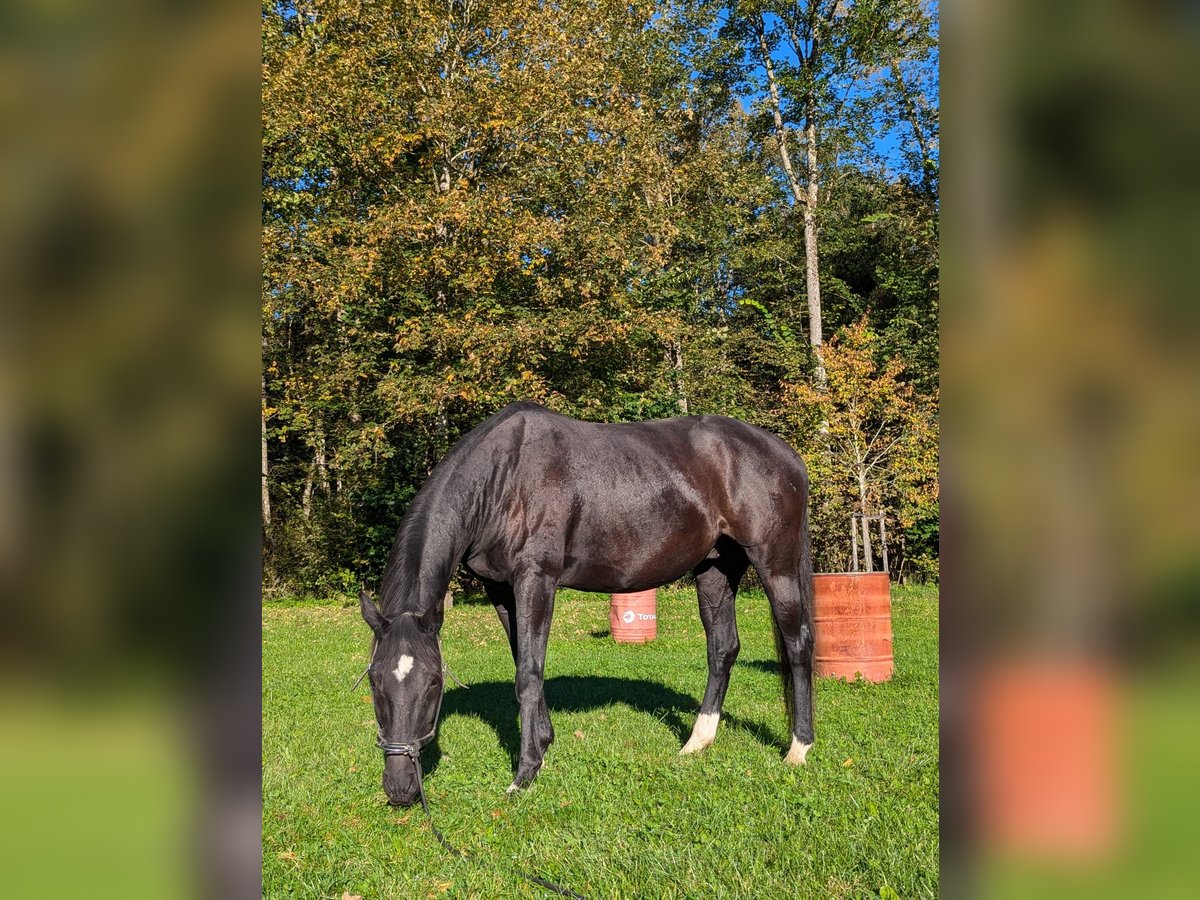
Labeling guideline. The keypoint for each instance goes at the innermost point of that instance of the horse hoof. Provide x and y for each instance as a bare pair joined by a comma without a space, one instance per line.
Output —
798,754
703,733
512,788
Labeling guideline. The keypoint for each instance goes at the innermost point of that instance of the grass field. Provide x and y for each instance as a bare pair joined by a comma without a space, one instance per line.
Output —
615,812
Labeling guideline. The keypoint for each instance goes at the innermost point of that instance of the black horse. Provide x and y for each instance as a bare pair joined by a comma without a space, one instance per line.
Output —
531,500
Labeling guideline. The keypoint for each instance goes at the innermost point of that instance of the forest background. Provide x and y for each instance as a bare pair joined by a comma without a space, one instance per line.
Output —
622,210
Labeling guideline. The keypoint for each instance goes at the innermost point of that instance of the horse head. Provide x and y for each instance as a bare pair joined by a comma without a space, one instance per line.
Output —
406,682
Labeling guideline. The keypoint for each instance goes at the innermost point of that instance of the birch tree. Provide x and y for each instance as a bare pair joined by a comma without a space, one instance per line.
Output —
820,69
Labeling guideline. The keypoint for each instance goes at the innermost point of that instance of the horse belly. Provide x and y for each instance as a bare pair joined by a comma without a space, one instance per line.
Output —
631,553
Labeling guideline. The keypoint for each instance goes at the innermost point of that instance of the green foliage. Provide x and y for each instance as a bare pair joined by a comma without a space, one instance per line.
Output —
469,204
872,449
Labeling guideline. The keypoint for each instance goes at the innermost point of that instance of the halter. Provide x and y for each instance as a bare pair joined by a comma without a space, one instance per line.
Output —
412,749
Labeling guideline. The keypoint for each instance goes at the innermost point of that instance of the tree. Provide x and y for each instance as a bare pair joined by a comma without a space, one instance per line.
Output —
880,437
818,67
472,202
462,205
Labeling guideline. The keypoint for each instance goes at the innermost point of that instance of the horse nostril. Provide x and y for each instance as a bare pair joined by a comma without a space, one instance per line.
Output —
411,801
399,793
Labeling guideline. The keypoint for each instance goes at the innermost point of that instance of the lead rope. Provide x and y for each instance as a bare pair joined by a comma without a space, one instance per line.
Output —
462,854
446,668
414,753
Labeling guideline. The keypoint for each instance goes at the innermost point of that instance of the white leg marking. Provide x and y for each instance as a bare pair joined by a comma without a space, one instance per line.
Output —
512,788
703,732
798,753
403,667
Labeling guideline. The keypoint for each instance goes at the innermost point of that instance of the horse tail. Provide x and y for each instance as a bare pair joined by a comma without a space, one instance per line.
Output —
806,575
785,675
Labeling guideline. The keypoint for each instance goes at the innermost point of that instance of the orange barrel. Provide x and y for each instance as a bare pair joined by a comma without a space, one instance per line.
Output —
1062,805
634,617
852,625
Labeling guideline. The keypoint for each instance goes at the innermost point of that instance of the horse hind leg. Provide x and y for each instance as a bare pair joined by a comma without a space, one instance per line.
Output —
793,621
502,598
716,589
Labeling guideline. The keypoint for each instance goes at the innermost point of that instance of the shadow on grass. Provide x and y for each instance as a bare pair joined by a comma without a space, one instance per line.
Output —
770,666
494,703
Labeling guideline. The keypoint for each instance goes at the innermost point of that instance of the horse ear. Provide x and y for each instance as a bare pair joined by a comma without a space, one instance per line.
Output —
370,612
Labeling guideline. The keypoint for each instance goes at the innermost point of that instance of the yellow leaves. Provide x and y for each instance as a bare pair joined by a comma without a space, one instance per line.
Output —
346,895
287,854
848,763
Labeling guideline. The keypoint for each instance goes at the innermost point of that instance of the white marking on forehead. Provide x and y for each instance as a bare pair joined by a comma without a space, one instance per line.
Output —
403,667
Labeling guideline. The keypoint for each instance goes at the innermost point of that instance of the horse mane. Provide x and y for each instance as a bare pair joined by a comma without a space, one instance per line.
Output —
402,574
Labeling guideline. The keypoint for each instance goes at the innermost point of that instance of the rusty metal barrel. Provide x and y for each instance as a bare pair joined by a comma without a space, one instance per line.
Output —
852,626
633,617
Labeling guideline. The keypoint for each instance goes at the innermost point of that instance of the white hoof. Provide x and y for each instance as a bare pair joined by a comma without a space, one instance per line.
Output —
798,754
512,788
702,734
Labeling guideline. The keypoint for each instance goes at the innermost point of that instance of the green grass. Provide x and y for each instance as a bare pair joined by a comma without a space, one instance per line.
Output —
615,812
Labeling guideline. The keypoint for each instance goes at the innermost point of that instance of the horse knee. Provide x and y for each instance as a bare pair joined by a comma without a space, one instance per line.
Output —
725,655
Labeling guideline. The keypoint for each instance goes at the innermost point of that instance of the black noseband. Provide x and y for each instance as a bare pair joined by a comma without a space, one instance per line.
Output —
411,749
395,748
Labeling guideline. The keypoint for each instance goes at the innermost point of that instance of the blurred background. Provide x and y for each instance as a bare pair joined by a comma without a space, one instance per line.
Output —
1072,409
129,239
130,529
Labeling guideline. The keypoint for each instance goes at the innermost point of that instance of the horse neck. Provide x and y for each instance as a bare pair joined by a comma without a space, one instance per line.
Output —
429,546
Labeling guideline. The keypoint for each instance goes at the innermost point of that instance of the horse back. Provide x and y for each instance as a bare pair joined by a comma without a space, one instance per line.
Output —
617,507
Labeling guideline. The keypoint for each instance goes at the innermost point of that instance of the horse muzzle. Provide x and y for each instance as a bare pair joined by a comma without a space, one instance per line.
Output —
400,785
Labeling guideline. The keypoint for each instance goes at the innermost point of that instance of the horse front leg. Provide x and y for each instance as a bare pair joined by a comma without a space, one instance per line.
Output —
534,595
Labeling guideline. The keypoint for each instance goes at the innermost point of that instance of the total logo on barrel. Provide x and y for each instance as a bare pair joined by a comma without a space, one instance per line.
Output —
634,617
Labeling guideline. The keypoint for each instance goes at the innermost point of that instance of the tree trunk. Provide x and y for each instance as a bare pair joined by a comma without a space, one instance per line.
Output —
812,264
883,540
306,496
854,542
806,195
319,463
866,530
677,361
866,526
785,155
909,104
